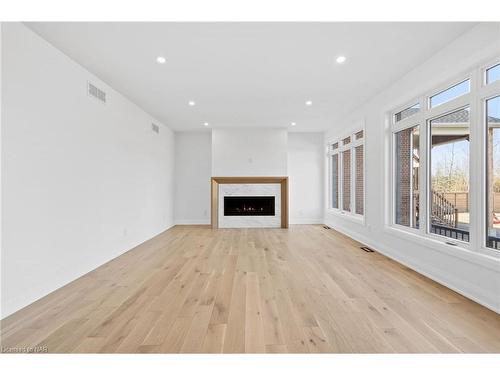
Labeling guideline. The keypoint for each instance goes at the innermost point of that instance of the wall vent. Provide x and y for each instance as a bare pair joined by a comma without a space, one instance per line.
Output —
96,92
155,128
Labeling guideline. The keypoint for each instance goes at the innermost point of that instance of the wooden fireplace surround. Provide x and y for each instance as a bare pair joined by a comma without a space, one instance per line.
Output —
283,181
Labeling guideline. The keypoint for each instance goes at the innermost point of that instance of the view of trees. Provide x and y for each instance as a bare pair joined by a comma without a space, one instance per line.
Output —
450,167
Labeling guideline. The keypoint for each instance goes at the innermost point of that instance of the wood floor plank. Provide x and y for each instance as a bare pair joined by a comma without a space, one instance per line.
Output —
254,329
214,339
304,289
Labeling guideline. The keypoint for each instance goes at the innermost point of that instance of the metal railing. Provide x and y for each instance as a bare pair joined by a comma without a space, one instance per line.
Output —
443,211
455,233
493,242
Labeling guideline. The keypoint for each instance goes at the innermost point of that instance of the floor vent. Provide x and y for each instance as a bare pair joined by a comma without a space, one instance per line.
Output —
367,249
96,92
326,227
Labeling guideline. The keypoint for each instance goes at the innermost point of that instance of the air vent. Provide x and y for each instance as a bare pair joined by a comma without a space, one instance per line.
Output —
155,128
366,248
96,92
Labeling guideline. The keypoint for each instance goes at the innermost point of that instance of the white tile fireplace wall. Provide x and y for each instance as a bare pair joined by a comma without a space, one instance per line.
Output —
235,190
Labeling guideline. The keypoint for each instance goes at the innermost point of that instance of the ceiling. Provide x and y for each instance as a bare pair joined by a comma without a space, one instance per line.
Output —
249,74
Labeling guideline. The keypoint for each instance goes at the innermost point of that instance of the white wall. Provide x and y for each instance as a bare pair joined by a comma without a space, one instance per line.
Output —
249,152
467,272
305,169
193,170
82,182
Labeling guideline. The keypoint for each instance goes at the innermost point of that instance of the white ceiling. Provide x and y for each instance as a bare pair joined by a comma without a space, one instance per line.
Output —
249,74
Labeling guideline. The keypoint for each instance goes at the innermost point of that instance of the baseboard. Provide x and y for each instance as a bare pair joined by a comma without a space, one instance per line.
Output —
306,221
207,222
453,283
192,222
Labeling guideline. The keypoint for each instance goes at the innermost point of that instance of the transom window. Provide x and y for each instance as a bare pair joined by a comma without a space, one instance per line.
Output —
408,112
493,74
346,174
451,93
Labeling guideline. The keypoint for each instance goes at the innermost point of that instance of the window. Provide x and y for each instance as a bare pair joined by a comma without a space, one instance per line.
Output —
346,158
440,189
449,175
493,173
335,180
493,74
407,164
346,180
359,180
408,112
450,93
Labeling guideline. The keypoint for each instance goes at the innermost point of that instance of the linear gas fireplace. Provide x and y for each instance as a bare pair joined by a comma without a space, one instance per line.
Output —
249,206
249,202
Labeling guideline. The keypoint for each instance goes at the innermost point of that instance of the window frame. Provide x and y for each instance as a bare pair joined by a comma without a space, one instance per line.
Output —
428,171
404,108
444,88
351,214
480,91
488,93
485,67
408,125
330,154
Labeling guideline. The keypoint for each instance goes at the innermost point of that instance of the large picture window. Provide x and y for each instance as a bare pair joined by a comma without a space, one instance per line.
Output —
347,178
449,175
436,192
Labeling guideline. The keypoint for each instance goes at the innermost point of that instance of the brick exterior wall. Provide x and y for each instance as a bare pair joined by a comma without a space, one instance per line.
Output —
346,184
359,151
403,176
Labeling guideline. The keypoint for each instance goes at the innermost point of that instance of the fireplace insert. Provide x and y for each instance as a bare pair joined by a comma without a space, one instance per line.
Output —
249,206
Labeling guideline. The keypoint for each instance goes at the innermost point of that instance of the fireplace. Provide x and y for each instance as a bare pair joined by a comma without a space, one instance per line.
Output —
249,202
249,206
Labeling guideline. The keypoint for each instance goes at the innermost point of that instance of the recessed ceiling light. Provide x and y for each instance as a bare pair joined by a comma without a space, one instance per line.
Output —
340,59
309,102
161,60
205,123
293,123
191,103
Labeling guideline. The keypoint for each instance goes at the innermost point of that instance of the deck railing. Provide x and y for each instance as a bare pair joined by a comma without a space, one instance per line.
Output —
443,211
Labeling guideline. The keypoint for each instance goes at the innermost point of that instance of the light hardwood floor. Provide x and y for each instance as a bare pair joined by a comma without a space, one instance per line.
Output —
302,290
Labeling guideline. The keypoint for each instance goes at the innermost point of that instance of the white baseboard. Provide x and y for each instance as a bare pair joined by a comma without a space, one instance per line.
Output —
301,220
192,222
452,283
207,222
